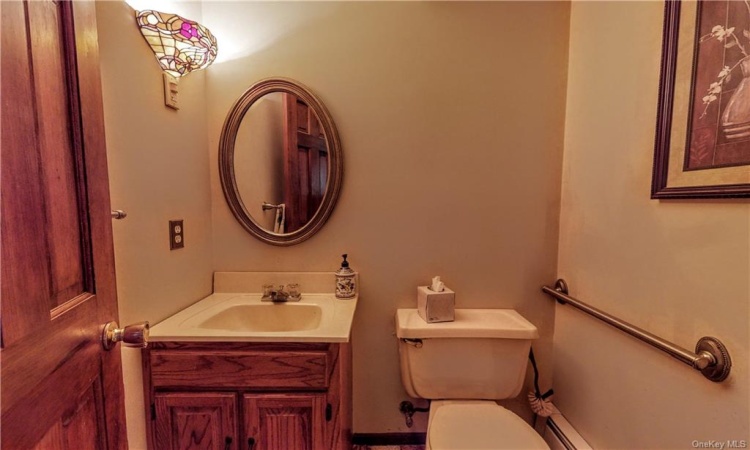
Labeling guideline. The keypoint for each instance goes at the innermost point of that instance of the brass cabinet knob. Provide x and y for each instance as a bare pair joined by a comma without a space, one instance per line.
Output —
135,335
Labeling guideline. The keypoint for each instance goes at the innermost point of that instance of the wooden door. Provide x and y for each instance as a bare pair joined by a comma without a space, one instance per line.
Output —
195,421
285,421
305,162
60,390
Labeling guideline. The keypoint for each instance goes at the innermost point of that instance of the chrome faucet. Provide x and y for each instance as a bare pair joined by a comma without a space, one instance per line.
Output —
279,294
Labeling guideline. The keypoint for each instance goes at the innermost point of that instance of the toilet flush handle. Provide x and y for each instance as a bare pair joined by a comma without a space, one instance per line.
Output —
415,342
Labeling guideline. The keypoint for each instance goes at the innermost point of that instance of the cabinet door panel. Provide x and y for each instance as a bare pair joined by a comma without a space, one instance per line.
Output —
285,421
195,421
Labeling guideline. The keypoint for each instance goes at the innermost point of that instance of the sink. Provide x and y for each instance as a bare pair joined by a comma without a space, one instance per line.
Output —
265,317
243,317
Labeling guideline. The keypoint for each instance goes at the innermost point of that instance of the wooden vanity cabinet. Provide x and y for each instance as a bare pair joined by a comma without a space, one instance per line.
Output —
259,396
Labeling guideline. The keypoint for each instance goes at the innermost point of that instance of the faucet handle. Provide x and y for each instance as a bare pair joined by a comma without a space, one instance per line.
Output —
293,290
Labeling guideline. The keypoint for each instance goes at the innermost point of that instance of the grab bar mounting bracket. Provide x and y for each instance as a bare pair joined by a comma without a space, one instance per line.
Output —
716,356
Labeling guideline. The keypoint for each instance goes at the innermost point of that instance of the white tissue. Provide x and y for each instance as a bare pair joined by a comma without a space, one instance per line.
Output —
437,285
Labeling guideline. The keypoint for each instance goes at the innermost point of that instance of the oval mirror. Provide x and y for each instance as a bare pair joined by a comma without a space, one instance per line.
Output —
280,161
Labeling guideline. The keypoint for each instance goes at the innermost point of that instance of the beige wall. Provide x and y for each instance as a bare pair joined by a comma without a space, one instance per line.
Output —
677,268
158,170
451,120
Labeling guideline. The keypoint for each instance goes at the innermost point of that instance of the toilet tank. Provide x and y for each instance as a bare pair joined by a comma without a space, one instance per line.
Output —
482,354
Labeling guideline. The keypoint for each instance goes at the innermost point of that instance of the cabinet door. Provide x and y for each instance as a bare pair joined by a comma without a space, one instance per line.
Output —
199,421
285,421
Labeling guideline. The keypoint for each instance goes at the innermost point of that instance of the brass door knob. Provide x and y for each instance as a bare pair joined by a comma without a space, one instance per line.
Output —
135,335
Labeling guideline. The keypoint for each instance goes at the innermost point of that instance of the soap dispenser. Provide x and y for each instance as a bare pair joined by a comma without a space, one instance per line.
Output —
345,280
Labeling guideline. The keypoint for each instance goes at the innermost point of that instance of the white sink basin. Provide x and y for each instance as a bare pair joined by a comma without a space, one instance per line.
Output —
244,317
265,317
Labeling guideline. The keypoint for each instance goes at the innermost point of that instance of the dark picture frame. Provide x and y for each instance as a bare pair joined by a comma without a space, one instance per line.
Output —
677,173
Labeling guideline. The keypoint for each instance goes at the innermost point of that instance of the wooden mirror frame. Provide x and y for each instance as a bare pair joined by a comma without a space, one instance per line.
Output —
226,161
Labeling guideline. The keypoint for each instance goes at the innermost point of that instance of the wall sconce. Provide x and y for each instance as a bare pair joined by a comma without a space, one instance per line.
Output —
180,46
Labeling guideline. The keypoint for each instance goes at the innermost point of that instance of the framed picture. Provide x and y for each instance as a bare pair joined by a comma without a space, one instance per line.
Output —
703,122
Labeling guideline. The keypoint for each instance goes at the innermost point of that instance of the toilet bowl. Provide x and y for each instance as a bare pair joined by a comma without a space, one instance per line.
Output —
462,367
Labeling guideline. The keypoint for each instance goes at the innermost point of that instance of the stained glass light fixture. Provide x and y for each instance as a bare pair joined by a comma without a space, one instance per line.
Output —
179,44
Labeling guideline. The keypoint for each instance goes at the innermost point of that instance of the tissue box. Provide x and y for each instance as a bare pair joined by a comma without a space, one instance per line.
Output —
436,306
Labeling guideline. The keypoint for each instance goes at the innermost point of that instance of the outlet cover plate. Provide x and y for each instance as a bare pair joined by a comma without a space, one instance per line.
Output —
176,234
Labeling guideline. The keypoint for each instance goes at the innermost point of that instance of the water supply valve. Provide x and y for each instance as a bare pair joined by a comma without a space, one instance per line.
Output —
408,409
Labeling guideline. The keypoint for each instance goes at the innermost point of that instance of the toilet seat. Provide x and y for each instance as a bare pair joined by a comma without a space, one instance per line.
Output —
478,425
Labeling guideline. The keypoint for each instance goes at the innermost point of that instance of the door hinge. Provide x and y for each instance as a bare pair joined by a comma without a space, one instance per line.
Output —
153,411
329,412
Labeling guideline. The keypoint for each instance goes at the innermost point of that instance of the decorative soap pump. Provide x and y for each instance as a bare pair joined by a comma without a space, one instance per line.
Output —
345,282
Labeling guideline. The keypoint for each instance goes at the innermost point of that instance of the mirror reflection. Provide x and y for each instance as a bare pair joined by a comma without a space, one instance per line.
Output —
281,162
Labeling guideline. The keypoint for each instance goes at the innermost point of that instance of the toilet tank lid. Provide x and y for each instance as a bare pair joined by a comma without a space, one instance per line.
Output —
469,323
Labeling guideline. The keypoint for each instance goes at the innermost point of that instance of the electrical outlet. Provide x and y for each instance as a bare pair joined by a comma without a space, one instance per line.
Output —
176,234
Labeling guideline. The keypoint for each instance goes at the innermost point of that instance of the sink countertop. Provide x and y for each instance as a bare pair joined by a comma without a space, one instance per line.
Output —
335,323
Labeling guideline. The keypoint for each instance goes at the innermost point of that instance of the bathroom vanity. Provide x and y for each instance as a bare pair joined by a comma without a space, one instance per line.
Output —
234,372
247,395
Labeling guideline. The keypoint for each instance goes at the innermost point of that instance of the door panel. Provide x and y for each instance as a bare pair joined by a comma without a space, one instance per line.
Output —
33,405
73,430
59,388
60,151
51,216
20,168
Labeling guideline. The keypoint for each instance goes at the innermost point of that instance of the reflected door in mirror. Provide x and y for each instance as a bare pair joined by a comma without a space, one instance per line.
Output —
305,162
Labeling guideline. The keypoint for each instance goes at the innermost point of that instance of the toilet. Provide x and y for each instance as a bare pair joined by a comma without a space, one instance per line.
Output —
463,367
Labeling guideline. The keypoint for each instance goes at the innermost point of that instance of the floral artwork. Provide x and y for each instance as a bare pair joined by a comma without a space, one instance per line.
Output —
180,45
719,123
702,145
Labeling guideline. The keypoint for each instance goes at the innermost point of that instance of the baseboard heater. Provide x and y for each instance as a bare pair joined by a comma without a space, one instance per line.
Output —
560,435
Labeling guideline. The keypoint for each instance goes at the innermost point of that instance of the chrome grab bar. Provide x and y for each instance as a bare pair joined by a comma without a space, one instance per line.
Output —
711,357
